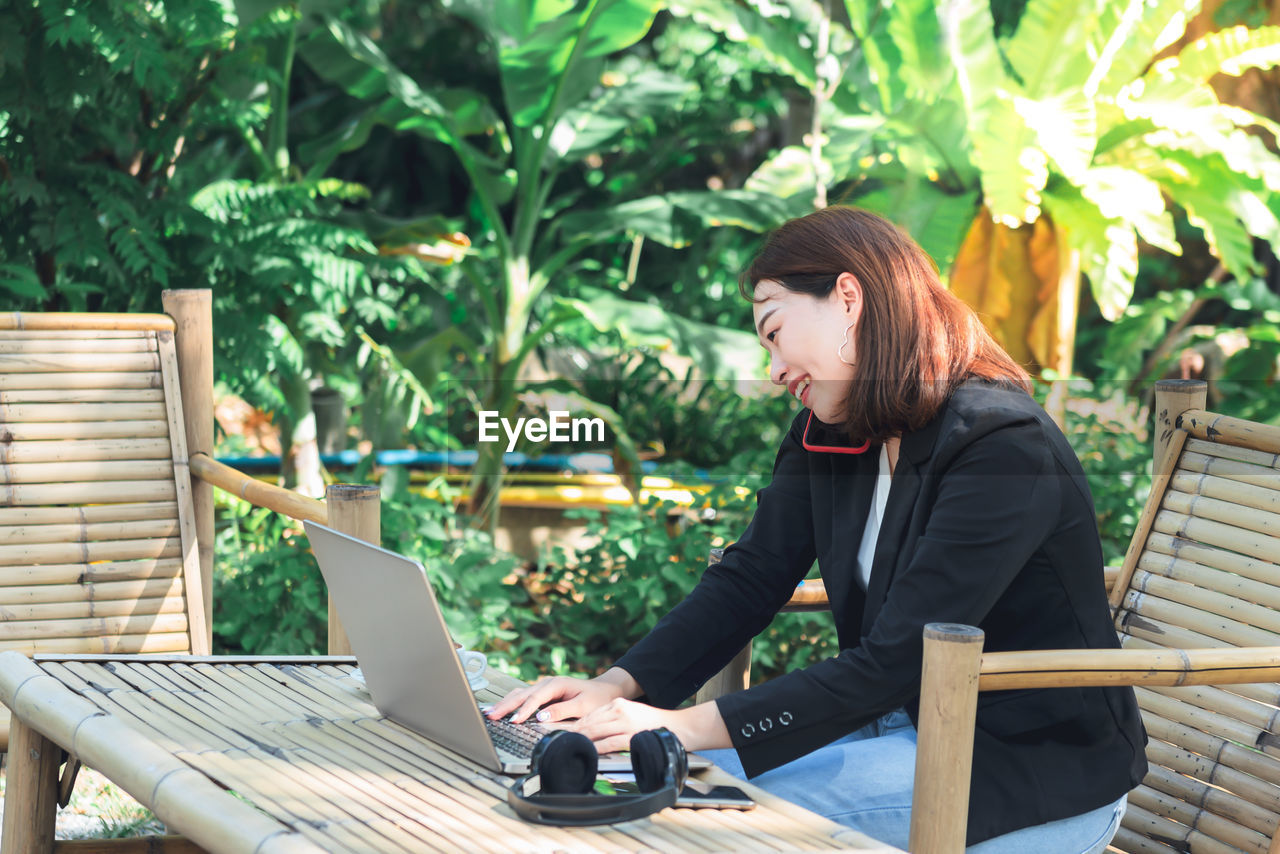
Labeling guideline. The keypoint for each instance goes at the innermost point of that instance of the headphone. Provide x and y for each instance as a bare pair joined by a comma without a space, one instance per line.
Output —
565,763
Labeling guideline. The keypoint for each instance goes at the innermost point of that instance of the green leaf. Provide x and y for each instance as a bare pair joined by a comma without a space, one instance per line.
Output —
1124,194
789,175
599,123
1046,50
937,220
779,39
913,27
1232,51
675,219
1108,247
1066,127
22,282
1130,34
1014,169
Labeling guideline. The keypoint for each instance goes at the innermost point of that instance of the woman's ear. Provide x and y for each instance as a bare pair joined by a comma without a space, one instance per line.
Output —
849,292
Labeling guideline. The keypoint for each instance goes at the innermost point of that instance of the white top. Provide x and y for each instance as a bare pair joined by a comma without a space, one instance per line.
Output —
871,533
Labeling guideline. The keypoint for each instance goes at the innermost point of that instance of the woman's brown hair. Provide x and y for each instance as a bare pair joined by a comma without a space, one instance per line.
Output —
916,341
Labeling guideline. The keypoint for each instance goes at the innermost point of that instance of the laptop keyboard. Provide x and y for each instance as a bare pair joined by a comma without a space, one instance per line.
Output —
516,739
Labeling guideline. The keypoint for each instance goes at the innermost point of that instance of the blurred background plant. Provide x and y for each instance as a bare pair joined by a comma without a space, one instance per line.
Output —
423,209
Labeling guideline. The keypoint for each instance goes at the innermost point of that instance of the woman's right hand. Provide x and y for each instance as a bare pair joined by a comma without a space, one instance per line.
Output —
559,698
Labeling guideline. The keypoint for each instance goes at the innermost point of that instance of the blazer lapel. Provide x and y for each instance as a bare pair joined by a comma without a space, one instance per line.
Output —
914,453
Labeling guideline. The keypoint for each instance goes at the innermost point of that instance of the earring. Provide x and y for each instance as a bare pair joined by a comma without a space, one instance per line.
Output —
842,343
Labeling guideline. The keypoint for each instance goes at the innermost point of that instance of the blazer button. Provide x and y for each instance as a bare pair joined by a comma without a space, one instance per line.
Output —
748,730
766,724
785,718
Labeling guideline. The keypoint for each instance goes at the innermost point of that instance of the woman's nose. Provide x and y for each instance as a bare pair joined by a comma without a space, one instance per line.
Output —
777,372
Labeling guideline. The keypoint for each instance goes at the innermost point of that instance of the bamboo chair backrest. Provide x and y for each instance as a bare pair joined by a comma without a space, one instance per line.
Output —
97,537
1203,570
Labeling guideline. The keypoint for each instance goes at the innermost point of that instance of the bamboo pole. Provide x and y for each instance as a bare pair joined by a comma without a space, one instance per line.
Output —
83,450
1256,462
90,608
40,412
92,470
1212,533
1259,570
1226,512
1004,671
1163,470
1231,431
16,516
82,323
1174,397
35,553
944,752
92,627
81,380
1222,604
39,430
31,792
75,345
81,395
736,676
113,645
91,532
192,313
136,845
44,363
90,592
354,509
1249,495
1225,830
90,573
256,492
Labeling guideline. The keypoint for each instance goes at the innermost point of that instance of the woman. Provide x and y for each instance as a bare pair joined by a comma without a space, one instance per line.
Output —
930,487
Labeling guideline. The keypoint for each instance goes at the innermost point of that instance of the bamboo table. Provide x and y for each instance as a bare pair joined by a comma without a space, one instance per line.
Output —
289,755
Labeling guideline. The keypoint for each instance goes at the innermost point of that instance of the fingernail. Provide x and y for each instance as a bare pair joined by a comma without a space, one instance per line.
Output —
543,716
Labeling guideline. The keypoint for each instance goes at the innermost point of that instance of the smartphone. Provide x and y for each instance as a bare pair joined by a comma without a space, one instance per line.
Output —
716,797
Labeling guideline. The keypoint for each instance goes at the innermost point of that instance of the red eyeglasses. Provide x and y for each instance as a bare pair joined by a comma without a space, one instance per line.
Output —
830,449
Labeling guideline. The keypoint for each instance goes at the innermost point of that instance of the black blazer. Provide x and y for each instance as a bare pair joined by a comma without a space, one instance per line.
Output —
990,522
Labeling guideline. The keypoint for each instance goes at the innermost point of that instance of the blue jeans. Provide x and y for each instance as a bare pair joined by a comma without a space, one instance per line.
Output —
868,777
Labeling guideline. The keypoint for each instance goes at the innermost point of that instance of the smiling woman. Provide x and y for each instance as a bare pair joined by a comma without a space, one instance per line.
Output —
968,506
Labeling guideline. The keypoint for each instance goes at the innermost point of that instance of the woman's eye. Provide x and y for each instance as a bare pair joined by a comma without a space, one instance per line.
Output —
771,335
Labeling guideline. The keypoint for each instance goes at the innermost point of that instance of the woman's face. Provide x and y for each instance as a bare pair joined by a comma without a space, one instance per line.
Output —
802,335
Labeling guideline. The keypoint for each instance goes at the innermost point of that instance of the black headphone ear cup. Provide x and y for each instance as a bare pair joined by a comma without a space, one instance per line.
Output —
566,763
649,761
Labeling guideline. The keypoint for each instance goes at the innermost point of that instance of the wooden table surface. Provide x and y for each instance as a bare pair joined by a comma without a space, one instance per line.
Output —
289,754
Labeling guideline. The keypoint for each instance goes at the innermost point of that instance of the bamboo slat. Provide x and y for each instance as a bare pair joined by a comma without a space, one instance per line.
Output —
1217,510
109,645
91,627
1226,583
7,334
1182,837
256,492
1225,429
90,608
1203,622
179,796
43,363
199,616
1226,753
84,449
1228,537
97,492
1256,496
94,573
96,380
114,550
137,845
1210,698
1262,795
90,532
90,592
81,395
1135,843
1220,725
83,324
1230,461
16,413
19,516
1163,634
91,470
1003,671
1164,468
1261,570
76,345
1222,604
32,431
1223,830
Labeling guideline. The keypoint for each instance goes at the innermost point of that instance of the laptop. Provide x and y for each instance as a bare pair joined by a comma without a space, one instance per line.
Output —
406,653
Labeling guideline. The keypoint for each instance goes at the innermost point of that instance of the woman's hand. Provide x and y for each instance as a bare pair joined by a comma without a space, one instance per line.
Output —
559,698
611,726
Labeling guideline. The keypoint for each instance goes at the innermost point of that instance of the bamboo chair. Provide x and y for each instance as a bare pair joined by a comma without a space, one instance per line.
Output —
1197,605
106,519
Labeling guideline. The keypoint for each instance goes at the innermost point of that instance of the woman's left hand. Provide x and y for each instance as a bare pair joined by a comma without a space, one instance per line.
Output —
611,726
